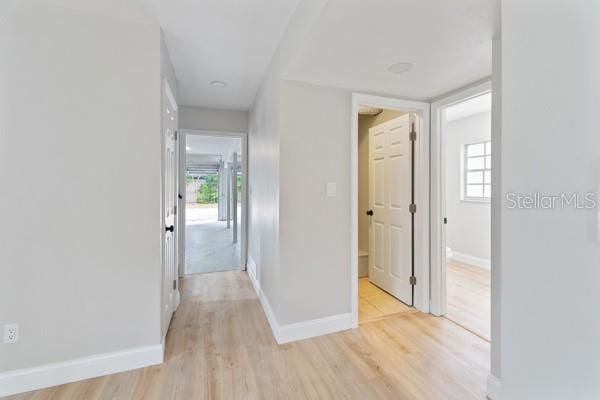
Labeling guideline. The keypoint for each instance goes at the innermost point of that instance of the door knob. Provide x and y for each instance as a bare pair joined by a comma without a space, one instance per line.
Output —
370,212
170,228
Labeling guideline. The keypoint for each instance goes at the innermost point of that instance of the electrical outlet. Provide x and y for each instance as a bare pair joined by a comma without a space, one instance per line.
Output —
11,333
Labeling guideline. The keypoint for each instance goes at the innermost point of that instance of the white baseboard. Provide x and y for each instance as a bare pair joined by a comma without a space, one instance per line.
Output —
271,318
299,330
493,387
314,327
471,260
177,300
251,267
254,280
27,379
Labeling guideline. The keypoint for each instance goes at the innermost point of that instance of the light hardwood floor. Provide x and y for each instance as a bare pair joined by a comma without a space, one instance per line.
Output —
375,304
220,347
469,297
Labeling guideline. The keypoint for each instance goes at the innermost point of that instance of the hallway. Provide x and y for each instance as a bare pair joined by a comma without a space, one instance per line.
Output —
220,346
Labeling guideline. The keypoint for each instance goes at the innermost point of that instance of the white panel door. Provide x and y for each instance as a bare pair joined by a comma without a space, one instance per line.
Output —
390,250
170,273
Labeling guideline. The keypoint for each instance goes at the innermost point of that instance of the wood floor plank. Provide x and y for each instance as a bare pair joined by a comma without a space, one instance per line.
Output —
469,297
220,346
375,304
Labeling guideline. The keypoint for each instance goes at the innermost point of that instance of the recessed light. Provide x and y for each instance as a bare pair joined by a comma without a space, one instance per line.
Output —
400,68
218,84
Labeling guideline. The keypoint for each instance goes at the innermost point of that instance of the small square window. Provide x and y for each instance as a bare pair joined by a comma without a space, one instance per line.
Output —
477,178
475,163
475,150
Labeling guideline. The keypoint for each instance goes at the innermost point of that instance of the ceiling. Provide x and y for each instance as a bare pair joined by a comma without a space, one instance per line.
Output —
226,40
473,106
355,41
127,10
213,145
351,45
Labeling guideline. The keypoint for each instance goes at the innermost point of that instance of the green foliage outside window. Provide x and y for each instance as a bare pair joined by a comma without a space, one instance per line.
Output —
208,192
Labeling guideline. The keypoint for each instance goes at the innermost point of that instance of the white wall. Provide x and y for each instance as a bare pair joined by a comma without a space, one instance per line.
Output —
263,190
264,135
550,289
80,119
213,120
314,228
300,237
468,232
166,68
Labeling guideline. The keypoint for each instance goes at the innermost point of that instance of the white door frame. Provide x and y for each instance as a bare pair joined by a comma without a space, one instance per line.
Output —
421,298
438,207
244,217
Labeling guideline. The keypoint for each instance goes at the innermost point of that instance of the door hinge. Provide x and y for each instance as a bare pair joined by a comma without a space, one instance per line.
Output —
412,208
445,220
175,135
413,136
174,209
175,284
413,280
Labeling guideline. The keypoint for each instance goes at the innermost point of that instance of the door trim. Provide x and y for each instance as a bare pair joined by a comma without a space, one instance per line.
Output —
421,297
438,208
181,206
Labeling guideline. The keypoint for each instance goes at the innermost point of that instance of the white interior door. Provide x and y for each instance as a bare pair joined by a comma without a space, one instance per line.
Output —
170,179
390,235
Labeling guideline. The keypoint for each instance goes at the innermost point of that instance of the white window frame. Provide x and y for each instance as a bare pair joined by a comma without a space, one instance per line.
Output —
486,168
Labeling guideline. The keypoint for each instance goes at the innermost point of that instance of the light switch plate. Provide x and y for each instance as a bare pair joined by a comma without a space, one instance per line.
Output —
331,189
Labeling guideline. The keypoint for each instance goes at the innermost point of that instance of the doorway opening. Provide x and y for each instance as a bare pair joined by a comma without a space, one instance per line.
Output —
466,142
385,221
461,250
214,202
390,207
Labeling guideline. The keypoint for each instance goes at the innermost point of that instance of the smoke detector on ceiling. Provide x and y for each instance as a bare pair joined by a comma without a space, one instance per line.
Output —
218,84
366,110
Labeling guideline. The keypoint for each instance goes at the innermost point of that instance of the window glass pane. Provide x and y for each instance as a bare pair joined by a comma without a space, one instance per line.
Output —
488,162
475,163
474,177
474,190
487,191
488,177
475,149
488,148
